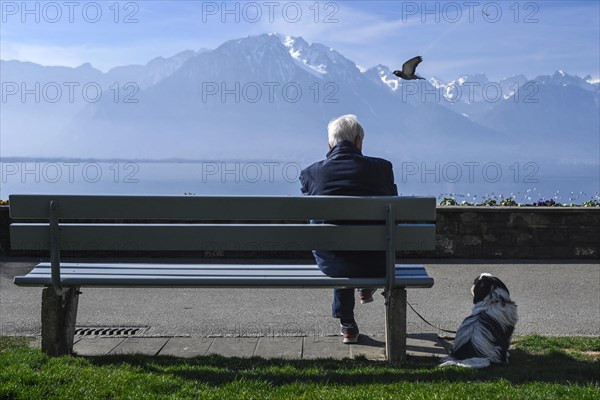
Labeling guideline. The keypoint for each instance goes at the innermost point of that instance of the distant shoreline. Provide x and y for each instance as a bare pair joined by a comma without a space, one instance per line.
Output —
127,160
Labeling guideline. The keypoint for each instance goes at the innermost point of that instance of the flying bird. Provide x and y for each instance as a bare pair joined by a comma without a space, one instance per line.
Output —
408,69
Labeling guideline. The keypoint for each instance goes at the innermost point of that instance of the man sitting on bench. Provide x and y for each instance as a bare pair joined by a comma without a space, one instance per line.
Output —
347,172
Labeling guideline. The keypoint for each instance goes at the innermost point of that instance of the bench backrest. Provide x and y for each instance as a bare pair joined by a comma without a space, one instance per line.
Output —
181,223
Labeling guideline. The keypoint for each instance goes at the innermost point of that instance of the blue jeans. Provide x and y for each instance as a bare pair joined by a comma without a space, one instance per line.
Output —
349,264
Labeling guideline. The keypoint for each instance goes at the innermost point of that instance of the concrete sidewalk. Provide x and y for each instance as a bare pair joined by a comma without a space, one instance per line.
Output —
554,298
292,347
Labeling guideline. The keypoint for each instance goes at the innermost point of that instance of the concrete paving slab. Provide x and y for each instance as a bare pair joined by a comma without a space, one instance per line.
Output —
425,345
149,346
325,347
233,347
186,347
279,347
35,343
372,348
95,346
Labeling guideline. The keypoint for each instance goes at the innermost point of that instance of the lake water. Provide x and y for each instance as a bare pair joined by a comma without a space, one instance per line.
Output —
464,182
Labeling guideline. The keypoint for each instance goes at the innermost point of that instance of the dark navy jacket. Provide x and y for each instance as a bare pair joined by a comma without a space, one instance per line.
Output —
346,172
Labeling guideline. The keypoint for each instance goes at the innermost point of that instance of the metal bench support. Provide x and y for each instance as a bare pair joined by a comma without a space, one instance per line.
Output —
55,249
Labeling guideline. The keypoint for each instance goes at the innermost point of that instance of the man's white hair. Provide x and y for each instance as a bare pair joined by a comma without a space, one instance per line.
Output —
345,127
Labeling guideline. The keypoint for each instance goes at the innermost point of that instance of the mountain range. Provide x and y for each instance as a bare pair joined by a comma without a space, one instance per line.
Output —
270,97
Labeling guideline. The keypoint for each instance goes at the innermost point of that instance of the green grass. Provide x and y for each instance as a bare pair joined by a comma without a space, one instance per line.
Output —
544,344
11,342
540,368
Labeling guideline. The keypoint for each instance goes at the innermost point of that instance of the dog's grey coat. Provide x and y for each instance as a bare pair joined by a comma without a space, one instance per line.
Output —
484,336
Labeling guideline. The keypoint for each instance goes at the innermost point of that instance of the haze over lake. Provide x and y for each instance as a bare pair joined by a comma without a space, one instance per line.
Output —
468,180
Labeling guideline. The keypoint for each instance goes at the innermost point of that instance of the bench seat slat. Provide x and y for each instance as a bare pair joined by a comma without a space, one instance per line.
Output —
181,272
169,276
210,237
43,267
209,269
220,282
225,208
188,272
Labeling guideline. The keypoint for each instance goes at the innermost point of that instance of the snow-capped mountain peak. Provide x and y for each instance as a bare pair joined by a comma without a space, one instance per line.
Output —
564,79
381,74
300,51
436,82
317,58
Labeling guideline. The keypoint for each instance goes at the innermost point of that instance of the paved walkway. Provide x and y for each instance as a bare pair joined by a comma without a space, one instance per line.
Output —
554,298
292,347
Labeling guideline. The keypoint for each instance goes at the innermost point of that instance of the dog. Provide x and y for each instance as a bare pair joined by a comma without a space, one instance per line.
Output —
484,336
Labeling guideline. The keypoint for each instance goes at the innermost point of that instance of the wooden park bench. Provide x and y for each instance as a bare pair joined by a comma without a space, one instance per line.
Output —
95,223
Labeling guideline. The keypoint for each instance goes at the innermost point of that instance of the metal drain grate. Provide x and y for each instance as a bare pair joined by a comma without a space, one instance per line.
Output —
110,330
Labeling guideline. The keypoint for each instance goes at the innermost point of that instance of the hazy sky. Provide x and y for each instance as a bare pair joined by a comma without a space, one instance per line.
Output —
500,38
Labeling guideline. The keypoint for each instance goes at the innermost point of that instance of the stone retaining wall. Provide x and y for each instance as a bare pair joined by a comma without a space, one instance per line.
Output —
518,232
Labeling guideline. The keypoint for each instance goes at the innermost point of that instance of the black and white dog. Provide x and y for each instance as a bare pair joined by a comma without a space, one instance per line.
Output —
484,336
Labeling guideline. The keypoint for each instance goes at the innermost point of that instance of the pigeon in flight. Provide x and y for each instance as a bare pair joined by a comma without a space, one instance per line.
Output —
408,69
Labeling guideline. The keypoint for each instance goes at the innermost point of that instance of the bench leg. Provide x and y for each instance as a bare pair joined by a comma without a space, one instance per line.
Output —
58,321
395,325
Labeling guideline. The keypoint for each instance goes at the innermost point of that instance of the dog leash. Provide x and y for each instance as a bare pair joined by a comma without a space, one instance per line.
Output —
427,322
